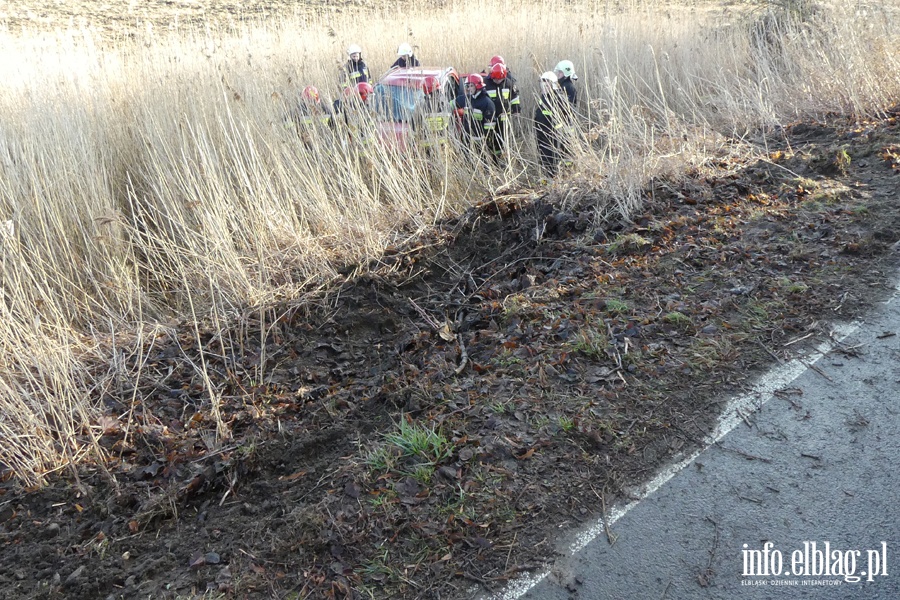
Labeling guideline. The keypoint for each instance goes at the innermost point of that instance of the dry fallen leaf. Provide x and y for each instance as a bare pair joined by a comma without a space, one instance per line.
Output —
293,476
526,455
446,333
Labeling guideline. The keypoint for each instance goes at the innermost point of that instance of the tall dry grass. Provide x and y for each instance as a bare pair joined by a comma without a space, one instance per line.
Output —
150,180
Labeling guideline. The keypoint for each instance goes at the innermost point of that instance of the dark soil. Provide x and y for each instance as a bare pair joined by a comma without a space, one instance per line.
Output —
555,363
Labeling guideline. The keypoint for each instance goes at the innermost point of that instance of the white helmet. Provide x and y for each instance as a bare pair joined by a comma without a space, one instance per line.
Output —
566,68
404,50
354,49
549,81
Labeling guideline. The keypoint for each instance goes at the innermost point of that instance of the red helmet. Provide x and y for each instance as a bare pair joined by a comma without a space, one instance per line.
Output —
476,80
361,90
364,90
310,93
499,71
430,84
496,60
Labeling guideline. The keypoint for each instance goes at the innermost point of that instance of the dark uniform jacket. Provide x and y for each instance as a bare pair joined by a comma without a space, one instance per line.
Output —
357,72
402,63
311,115
505,96
551,117
568,86
479,113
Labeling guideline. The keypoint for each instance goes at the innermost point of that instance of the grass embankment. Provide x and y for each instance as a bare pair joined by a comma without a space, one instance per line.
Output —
151,183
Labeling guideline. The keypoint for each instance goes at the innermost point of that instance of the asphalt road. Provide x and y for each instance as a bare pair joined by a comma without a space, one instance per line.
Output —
815,463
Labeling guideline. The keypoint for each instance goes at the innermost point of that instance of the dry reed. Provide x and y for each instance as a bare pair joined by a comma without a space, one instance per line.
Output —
157,178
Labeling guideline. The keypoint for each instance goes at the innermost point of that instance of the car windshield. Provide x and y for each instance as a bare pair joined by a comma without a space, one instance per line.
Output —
397,102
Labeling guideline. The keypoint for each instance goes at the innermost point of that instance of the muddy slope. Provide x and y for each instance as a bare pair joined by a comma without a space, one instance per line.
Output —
427,429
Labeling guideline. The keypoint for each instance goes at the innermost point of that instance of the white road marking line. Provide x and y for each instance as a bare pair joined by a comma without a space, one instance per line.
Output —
776,378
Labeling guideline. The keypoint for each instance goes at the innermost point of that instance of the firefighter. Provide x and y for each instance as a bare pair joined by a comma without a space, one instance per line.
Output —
565,74
355,70
498,60
311,116
405,57
311,111
551,123
476,110
433,123
505,95
353,113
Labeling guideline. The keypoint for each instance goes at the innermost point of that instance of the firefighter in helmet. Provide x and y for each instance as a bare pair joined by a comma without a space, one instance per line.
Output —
498,60
405,57
355,69
565,74
433,122
353,113
504,93
551,123
311,111
311,116
476,110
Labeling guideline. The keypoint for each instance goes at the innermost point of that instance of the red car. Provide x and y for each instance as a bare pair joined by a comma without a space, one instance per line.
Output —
400,96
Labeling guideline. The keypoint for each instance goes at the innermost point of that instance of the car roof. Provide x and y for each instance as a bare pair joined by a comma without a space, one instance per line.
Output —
414,76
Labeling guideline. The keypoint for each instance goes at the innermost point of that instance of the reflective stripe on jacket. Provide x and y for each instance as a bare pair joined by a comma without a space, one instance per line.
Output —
357,72
549,120
479,113
505,96
437,122
311,120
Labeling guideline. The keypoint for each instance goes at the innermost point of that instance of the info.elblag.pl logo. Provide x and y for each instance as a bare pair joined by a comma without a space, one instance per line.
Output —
814,560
